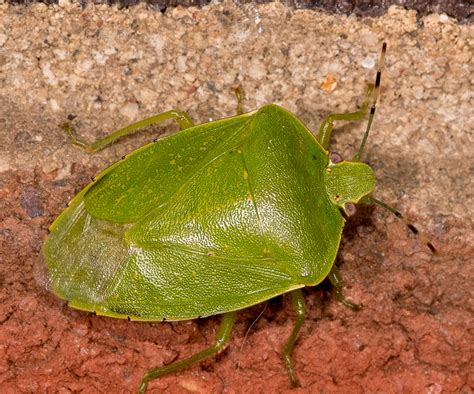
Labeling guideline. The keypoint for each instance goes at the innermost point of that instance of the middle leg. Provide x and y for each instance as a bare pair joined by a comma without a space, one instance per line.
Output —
300,308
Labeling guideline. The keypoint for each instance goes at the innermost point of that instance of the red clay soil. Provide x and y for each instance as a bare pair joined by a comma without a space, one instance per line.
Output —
414,333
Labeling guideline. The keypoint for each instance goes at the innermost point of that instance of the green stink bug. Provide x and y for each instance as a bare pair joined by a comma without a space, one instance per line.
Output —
216,218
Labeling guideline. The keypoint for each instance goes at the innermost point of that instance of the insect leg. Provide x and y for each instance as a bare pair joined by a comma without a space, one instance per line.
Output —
337,282
300,309
182,118
239,95
325,129
373,90
221,339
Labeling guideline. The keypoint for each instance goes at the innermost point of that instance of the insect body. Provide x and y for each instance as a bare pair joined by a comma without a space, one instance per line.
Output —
180,229
211,220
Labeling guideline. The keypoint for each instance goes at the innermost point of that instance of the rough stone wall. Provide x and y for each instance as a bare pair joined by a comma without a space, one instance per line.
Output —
103,68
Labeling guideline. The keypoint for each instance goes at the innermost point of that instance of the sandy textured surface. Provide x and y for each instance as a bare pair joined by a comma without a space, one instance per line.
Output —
104,67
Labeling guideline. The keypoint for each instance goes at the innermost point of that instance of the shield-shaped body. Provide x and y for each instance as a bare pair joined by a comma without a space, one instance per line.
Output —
215,218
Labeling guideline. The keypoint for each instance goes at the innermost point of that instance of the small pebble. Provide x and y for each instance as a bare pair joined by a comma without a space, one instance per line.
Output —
3,39
54,105
130,110
368,63
443,18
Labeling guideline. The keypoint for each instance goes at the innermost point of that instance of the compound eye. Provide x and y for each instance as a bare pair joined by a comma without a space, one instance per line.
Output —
350,209
335,157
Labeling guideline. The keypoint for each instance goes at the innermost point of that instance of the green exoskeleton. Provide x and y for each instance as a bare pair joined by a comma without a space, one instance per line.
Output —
211,220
